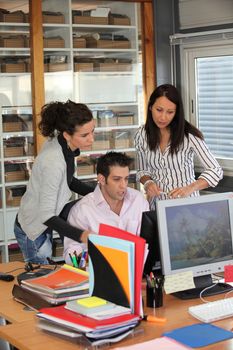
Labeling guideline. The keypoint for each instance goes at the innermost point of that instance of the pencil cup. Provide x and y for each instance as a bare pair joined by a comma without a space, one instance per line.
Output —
154,296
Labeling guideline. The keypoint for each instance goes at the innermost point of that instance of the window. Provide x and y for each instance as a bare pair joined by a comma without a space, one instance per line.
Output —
207,89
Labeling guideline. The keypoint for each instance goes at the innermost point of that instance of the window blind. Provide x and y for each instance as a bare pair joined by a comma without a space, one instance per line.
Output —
215,103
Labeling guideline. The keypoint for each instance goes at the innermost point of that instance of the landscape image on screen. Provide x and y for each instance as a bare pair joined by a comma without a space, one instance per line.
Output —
199,234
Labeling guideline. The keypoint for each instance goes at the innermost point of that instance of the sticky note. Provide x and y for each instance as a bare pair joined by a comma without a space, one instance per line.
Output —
228,273
91,302
179,281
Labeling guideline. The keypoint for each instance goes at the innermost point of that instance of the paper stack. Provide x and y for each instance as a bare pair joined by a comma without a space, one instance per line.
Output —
95,331
114,307
57,287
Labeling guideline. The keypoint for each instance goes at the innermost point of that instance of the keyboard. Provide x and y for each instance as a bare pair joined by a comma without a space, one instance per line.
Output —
213,310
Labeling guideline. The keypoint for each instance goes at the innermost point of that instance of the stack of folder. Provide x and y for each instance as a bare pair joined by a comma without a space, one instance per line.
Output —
116,260
57,287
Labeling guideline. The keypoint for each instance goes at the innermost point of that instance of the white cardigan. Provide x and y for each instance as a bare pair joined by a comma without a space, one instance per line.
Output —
47,190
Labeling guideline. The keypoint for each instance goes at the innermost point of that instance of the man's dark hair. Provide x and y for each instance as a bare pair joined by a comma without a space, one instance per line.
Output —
112,159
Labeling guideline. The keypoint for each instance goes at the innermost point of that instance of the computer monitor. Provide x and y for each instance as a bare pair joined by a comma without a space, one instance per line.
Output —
196,234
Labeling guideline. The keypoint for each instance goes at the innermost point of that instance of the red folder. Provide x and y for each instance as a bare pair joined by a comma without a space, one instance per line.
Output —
70,317
107,230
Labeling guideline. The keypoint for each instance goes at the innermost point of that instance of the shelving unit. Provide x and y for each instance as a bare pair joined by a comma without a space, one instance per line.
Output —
17,155
108,78
105,74
16,127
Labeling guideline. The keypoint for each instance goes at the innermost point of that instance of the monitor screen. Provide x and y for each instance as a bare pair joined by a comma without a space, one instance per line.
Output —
196,234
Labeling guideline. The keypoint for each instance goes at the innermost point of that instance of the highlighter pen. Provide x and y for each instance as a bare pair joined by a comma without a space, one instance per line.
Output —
75,263
150,318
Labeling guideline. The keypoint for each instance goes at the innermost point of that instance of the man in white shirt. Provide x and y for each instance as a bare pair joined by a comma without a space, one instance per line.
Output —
112,202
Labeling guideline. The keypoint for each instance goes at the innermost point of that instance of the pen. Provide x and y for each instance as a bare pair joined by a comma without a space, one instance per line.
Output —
71,259
152,278
82,260
77,257
148,280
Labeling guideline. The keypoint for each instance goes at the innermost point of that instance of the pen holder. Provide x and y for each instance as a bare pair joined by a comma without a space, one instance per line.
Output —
154,294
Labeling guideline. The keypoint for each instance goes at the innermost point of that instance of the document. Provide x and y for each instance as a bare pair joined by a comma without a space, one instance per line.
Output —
163,343
140,247
109,279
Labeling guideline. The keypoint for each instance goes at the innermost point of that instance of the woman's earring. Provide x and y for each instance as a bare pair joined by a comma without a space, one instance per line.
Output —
68,144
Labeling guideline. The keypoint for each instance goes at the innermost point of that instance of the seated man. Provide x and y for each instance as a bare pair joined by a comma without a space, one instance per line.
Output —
111,203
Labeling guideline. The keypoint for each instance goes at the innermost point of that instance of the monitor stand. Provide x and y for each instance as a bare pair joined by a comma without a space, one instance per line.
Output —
202,282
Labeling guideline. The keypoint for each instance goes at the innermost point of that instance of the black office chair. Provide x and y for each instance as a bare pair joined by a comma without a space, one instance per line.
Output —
65,211
149,231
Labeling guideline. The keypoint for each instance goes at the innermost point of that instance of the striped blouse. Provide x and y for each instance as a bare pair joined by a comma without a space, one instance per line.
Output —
177,170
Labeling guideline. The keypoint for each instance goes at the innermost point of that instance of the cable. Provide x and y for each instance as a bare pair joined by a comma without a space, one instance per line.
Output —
19,268
203,290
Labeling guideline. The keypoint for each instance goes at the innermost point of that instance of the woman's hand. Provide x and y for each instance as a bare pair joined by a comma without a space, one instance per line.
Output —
180,192
151,189
84,236
186,191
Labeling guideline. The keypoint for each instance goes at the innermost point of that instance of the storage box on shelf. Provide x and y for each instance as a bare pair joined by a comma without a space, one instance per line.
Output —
18,146
107,44
106,118
13,151
14,67
79,42
15,122
14,195
54,42
119,20
14,41
121,140
80,18
12,126
56,62
15,172
53,17
83,67
15,253
14,17
85,166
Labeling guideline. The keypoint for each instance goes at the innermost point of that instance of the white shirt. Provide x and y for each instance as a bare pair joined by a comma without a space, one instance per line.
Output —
93,209
177,170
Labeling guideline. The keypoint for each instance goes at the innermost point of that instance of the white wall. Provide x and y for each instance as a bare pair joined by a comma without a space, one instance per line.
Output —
201,13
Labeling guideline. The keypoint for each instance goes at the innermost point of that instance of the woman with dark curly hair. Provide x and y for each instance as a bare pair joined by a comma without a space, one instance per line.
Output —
166,146
69,127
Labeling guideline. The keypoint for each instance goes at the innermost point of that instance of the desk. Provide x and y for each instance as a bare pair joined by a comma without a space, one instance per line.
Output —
24,334
10,310
6,287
